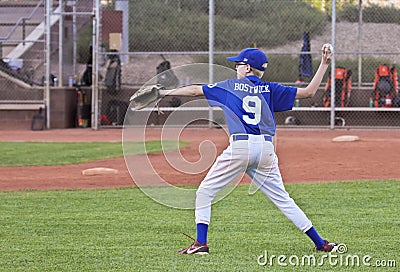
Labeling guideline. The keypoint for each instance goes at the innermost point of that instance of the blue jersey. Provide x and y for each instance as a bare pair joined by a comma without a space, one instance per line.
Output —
249,104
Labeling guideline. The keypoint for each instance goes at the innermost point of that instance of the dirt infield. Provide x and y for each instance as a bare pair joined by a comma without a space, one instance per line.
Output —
304,156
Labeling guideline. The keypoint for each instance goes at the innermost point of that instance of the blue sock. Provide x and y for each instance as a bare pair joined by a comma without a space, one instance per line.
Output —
202,231
314,236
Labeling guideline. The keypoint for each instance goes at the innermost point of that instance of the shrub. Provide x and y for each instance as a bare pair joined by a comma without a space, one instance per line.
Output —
372,14
165,26
381,15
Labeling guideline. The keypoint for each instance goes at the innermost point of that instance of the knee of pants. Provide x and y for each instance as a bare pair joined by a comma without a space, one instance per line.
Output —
206,192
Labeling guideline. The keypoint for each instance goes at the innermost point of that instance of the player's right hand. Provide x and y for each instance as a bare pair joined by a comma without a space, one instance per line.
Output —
327,53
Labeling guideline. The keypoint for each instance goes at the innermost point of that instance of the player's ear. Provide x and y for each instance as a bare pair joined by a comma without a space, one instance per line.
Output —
248,68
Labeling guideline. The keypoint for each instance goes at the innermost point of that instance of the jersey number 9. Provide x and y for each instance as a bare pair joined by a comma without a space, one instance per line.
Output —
252,104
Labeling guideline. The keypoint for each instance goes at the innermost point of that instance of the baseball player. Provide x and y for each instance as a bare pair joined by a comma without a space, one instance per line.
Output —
249,105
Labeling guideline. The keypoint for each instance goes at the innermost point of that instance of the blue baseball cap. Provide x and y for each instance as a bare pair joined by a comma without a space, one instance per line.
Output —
252,56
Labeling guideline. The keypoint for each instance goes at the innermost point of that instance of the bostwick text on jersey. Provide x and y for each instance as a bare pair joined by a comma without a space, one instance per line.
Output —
251,89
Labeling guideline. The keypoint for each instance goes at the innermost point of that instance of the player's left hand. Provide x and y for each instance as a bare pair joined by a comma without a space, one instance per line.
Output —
327,53
147,95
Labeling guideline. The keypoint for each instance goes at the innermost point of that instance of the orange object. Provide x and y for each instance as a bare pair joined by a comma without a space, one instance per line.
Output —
385,86
342,88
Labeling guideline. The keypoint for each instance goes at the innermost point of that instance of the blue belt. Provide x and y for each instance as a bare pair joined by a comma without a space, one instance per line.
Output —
244,137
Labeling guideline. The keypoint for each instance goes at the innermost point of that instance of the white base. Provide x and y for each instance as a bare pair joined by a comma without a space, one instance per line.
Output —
99,171
346,138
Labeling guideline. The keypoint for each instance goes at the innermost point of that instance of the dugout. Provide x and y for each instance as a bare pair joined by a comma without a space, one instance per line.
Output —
63,109
66,107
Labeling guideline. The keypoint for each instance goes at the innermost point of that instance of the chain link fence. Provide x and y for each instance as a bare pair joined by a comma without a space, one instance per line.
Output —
23,27
21,52
291,33
140,39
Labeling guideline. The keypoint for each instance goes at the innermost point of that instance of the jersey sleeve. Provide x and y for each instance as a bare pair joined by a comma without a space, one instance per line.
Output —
216,93
283,97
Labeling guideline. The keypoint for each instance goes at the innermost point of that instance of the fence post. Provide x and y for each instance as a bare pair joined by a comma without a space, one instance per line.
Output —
359,43
123,5
333,64
211,54
49,4
95,65
60,43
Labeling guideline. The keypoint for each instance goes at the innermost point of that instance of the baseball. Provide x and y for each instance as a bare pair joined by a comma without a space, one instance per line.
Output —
328,48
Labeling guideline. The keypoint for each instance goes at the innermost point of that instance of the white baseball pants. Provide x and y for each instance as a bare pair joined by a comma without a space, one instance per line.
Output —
257,158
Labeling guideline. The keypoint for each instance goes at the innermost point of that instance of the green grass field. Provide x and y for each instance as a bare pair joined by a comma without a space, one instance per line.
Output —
123,230
55,153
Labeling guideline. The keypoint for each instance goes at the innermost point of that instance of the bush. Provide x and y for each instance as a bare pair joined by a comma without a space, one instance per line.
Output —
381,15
350,14
160,25
166,26
373,14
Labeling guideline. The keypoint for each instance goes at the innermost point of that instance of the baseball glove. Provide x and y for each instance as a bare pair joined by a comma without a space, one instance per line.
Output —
147,95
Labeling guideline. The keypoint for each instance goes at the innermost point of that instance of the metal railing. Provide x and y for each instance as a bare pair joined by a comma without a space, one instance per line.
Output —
18,23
